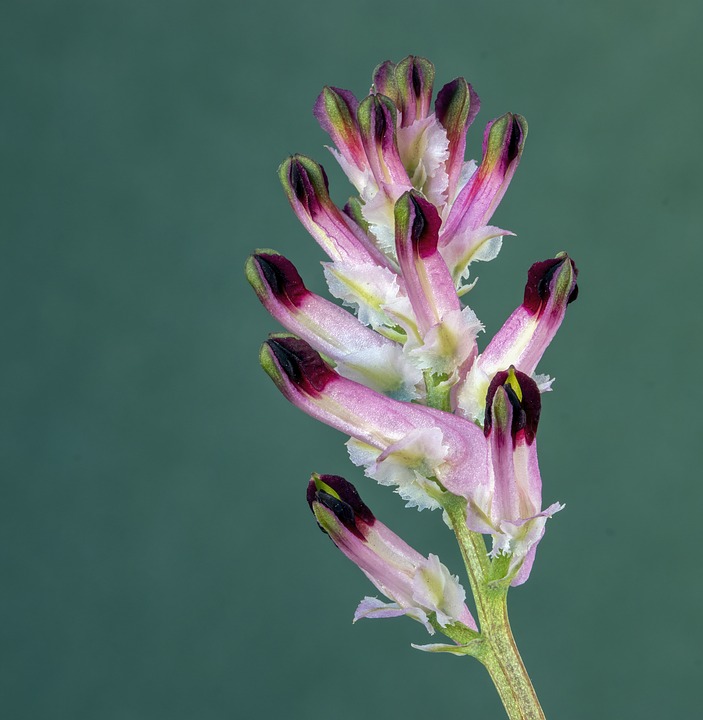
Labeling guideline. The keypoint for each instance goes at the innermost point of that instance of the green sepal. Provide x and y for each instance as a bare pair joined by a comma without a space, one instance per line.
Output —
339,114
384,80
369,109
502,131
415,79
354,209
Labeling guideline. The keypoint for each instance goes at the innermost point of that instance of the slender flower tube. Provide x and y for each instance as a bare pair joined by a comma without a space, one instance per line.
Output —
526,334
456,108
335,110
464,235
419,587
358,352
307,188
422,451
509,505
446,333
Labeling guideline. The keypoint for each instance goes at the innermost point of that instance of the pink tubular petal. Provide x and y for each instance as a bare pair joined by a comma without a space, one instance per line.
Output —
414,79
456,107
328,328
503,143
505,504
370,417
384,81
377,123
479,245
306,186
389,574
526,334
335,110
429,283
418,585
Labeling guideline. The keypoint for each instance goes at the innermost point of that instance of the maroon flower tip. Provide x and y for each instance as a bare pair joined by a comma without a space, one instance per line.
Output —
380,118
515,140
302,365
308,181
425,226
342,498
539,282
282,278
525,400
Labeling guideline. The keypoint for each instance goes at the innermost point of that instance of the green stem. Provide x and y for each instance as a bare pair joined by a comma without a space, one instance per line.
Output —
438,395
498,651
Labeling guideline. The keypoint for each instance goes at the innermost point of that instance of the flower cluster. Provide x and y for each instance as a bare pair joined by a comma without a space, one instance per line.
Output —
426,412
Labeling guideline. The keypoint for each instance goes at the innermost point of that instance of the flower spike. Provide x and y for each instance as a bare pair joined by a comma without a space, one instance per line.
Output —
419,587
426,414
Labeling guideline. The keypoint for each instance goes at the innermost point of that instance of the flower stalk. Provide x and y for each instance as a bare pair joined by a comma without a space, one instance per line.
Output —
495,648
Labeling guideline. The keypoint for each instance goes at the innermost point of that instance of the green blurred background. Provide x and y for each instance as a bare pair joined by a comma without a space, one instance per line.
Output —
157,557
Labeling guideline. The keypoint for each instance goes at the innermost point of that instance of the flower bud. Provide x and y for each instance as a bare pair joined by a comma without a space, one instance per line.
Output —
503,142
335,110
377,123
414,78
520,392
456,107
343,501
419,587
305,183
550,283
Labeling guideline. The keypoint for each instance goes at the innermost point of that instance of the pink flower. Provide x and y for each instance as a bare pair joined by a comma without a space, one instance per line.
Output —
417,586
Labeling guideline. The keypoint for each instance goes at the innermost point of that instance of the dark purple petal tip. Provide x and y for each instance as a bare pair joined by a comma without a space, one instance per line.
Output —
342,499
377,115
456,106
282,278
524,397
302,365
541,281
307,181
503,141
423,220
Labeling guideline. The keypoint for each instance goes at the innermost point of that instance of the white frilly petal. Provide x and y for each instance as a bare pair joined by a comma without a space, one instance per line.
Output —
384,369
373,608
447,345
362,180
424,148
544,382
407,464
520,540
366,288
437,590
378,209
